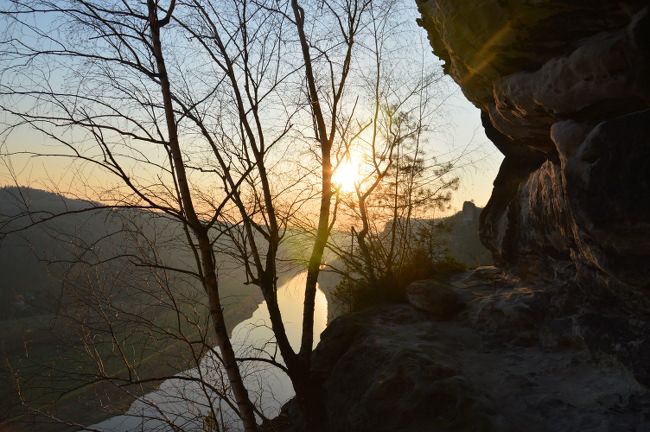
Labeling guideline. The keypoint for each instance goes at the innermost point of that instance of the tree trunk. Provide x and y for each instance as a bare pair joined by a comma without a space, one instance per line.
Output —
210,281
244,404
309,398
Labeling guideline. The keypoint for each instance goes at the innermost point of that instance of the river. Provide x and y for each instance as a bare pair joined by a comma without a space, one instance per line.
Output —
184,402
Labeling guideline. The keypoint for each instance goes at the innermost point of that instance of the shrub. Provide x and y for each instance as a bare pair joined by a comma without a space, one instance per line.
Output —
359,293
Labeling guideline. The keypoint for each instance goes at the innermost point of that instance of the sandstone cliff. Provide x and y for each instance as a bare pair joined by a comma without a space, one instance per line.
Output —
564,90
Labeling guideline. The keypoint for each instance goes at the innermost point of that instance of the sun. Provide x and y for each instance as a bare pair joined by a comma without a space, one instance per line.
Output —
346,176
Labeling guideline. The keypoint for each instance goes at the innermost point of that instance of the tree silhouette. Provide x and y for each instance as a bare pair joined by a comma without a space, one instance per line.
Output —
228,118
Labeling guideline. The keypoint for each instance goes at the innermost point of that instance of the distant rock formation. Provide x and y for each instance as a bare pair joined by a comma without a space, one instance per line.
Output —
463,242
470,213
564,89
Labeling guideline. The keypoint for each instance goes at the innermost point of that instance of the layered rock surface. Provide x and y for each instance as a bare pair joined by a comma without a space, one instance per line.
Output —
559,340
517,357
564,89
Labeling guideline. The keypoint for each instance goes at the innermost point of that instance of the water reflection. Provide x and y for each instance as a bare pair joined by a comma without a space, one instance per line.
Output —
183,403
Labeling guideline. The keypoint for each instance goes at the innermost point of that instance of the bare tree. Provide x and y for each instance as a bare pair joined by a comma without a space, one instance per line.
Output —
229,118
123,97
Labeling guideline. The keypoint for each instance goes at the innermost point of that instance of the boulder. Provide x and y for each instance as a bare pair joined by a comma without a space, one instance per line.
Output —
436,299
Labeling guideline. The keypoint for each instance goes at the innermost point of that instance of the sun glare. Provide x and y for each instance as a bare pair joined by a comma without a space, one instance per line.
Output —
346,176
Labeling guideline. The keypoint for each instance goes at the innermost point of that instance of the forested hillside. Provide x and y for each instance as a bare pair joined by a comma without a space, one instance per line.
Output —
69,265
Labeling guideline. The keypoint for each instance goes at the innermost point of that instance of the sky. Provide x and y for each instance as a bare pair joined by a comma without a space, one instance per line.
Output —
461,132
483,159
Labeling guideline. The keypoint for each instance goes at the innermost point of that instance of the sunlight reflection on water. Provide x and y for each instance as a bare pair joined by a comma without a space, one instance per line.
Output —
184,402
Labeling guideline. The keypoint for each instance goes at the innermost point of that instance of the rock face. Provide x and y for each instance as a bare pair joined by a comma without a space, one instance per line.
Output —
564,89
504,364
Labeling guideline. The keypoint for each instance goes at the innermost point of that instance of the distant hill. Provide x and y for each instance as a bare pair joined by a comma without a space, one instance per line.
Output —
69,268
35,262
30,286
